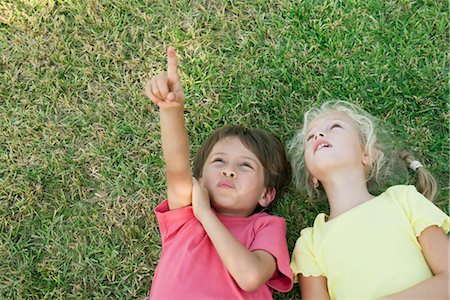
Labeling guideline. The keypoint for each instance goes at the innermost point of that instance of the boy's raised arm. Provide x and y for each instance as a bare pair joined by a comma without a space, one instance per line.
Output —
165,90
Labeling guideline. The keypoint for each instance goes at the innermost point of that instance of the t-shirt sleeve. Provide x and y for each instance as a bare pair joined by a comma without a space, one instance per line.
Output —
303,258
170,221
271,237
422,213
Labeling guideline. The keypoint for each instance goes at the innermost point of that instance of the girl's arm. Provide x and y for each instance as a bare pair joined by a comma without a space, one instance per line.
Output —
435,248
313,288
165,91
249,269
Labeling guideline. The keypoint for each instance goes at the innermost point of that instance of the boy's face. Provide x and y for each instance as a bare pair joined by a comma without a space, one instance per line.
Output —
234,178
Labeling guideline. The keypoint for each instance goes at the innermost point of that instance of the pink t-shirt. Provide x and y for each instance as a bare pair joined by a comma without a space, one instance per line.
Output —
190,268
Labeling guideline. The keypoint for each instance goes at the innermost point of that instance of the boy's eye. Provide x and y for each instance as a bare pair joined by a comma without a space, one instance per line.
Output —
247,165
336,125
309,137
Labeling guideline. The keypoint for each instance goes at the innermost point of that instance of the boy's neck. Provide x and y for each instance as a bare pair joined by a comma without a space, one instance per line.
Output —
345,193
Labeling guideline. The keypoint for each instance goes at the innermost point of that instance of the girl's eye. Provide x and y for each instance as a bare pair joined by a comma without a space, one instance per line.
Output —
336,125
218,160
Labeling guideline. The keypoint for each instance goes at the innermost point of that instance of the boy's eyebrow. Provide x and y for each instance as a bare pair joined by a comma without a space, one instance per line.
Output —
249,158
241,156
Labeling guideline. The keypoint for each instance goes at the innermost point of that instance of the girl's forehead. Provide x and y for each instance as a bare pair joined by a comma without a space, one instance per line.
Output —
329,116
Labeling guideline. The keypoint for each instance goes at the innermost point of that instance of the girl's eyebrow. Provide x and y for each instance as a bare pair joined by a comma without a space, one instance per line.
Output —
329,121
338,119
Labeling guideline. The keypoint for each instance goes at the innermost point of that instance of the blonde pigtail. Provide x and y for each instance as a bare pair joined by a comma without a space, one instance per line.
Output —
425,181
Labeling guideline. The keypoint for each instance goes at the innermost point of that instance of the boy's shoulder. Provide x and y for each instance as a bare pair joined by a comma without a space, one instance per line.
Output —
265,217
257,218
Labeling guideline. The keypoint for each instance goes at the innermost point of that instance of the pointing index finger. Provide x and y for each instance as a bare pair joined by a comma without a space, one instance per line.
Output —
172,65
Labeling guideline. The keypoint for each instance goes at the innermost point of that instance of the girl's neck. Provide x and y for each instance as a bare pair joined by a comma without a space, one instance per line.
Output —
345,193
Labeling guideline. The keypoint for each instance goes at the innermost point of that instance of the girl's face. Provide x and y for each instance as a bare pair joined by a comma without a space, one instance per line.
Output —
234,178
333,143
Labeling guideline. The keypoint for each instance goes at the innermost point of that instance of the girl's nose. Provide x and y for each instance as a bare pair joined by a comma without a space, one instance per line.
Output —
318,134
229,173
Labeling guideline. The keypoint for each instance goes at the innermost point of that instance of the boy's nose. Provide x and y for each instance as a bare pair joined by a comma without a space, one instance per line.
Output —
228,173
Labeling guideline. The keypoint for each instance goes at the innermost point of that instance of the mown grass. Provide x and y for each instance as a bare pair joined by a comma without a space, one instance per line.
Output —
80,157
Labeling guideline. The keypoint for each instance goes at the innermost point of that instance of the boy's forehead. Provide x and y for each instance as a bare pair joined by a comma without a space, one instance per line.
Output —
230,142
233,145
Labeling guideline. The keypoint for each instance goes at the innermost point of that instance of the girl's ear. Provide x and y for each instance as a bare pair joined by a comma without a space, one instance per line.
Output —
369,160
267,197
365,160
315,182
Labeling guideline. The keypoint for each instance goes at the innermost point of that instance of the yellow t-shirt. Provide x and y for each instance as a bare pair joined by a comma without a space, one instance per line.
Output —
371,250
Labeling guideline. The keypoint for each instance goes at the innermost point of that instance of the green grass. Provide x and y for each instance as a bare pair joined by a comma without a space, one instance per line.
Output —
80,158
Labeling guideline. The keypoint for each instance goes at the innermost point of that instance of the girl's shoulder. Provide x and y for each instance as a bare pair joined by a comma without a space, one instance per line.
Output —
401,194
404,194
319,222
401,188
419,210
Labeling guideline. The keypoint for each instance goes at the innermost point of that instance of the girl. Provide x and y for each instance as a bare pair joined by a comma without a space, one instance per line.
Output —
393,245
214,245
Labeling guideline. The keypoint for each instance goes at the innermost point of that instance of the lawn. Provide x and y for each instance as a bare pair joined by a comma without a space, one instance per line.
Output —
81,166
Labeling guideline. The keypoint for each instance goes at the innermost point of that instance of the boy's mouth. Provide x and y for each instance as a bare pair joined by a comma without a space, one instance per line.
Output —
227,184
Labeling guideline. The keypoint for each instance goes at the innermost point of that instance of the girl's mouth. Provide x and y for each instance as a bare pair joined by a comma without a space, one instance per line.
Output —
321,144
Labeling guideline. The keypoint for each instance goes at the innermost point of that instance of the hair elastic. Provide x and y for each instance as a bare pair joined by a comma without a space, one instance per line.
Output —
414,165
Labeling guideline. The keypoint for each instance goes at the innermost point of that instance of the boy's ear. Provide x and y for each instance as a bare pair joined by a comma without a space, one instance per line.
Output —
267,197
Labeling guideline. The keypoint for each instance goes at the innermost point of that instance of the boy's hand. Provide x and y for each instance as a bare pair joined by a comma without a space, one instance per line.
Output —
200,200
165,89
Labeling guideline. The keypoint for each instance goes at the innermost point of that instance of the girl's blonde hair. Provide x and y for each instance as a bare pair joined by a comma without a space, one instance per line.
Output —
382,167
